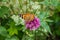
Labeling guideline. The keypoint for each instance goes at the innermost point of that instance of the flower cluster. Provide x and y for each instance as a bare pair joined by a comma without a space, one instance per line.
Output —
33,25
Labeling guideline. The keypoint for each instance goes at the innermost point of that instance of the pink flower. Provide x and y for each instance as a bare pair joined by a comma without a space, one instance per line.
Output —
33,25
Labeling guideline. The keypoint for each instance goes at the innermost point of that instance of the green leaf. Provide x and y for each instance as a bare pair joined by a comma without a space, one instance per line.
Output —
51,2
54,2
12,38
3,10
48,20
46,2
12,24
3,31
42,15
12,31
45,26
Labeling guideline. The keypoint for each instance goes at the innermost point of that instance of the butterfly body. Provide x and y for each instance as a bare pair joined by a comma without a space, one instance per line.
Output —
28,17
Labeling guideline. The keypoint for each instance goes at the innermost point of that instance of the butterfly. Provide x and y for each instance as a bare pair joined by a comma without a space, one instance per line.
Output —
28,17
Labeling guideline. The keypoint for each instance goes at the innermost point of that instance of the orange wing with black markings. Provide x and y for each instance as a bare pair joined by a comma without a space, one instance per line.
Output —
28,17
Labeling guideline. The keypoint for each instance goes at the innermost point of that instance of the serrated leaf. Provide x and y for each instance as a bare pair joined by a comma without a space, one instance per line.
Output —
45,26
12,31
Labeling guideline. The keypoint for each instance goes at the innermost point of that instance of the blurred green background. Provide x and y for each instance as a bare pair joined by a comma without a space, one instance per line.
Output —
12,26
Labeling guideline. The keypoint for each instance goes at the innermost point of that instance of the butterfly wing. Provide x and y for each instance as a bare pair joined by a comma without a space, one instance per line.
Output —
28,17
